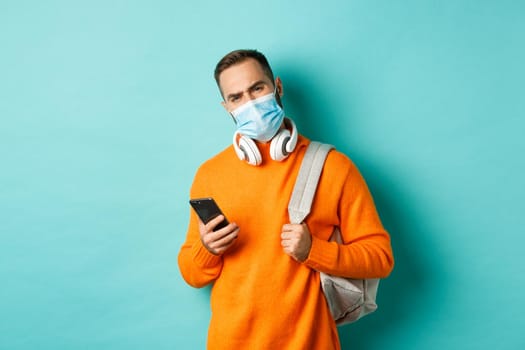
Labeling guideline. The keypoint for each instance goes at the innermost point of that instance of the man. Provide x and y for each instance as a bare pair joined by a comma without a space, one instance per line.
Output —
265,272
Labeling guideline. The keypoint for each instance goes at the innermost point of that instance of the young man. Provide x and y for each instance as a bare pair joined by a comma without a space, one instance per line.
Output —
265,271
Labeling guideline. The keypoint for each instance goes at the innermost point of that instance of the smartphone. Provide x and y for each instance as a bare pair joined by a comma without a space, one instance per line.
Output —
207,209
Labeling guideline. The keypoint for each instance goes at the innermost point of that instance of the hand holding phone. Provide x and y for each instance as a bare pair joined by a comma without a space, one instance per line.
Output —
216,243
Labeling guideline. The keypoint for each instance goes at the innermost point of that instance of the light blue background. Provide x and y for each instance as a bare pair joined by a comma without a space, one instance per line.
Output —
108,107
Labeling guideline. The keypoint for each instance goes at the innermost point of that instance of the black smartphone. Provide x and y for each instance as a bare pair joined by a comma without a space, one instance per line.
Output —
207,209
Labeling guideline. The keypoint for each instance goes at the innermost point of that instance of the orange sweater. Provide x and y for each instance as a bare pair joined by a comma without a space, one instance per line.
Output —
262,298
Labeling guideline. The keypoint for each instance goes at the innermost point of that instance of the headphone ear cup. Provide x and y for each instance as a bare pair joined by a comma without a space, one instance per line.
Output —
290,145
238,151
284,142
278,149
250,151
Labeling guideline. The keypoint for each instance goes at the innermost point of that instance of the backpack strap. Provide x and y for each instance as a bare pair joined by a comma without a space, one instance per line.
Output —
307,180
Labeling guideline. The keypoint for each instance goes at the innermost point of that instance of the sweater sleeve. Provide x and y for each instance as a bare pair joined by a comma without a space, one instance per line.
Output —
197,265
366,250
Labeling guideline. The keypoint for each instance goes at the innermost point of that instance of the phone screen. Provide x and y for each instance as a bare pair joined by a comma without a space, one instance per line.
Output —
207,209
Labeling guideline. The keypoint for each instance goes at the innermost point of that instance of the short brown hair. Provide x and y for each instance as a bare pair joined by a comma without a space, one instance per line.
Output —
239,56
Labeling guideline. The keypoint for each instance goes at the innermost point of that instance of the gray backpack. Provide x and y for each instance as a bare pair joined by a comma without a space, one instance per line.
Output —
348,299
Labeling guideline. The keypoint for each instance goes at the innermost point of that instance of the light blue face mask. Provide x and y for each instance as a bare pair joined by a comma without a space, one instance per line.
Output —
259,119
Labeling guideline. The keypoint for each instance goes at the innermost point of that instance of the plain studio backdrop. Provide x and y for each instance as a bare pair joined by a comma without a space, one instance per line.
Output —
108,107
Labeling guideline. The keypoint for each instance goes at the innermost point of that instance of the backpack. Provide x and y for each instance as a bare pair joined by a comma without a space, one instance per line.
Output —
348,299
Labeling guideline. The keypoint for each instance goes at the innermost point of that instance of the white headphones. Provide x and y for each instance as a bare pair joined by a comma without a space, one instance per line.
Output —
282,144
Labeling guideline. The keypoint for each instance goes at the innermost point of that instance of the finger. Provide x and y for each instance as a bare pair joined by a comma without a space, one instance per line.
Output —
213,236
292,228
220,245
210,225
289,244
210,229
288,227
290,236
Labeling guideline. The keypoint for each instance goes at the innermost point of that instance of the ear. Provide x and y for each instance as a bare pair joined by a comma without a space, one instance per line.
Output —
279,86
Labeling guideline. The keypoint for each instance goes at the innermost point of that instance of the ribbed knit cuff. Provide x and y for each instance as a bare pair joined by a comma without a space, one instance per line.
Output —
322,255
202,257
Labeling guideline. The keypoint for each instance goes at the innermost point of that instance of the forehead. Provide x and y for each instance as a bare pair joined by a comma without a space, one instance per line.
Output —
241,76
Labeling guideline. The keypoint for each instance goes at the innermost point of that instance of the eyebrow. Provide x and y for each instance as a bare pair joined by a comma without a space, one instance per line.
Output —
238,94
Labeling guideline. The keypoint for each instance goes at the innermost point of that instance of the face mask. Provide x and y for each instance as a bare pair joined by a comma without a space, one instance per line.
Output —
259,119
